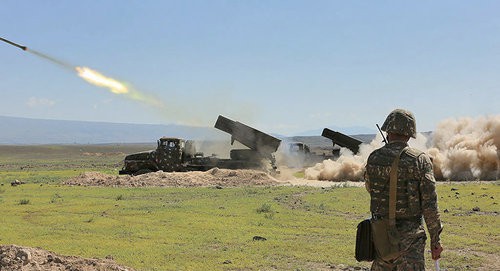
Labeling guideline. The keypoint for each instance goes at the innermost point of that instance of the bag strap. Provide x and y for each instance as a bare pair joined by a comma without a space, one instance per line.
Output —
393,189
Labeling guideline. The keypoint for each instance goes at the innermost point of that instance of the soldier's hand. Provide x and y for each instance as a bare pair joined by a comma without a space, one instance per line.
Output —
436,252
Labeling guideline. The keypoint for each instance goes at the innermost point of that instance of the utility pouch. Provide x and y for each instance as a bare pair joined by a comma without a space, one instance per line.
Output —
386,239
365,250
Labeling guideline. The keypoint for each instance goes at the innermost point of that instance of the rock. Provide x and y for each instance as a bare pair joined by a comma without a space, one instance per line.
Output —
16,258
214,170
16,183
259,238
24,255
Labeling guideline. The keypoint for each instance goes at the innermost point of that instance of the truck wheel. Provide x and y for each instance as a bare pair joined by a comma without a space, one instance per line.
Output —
142,171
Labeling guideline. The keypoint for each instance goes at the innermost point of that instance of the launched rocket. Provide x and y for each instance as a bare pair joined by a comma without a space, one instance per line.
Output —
24,48
97,79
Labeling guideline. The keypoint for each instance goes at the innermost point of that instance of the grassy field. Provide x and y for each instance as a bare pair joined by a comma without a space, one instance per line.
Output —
53,163
213,229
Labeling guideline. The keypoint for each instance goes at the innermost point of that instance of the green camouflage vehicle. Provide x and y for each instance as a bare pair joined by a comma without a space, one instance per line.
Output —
171,154
175,154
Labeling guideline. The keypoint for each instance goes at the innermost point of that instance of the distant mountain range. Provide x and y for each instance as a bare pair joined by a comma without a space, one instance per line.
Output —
351,130
27,131
19,131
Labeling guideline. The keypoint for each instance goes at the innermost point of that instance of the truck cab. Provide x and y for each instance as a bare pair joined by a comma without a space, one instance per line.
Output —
171,154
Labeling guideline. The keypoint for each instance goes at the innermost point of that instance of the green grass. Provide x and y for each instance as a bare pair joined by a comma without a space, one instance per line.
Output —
176,228
55,163
212,229
201,228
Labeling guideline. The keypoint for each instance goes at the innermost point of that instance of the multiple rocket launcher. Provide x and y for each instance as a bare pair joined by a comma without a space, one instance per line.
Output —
252,138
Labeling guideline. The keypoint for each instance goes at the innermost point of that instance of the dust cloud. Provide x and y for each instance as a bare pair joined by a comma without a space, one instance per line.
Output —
462,149
467,149
218,148
289,154
348,167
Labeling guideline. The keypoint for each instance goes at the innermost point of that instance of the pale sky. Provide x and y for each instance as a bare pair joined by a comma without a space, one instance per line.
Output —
280,66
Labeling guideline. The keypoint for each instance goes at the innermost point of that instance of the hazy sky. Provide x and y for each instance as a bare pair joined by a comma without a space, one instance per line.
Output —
279,66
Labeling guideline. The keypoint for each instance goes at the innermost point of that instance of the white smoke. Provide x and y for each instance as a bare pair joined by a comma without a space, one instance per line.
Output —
461,149
289,155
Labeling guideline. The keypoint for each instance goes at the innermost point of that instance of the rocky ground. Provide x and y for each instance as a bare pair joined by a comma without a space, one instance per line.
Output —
17,258
213,177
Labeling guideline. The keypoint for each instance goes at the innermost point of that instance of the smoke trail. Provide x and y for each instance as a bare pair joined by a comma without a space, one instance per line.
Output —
51,59
96,78
196,115
461,149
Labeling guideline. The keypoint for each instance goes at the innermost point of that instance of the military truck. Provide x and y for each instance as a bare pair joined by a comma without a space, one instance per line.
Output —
176,154
171,154
299,147
295,154
261,146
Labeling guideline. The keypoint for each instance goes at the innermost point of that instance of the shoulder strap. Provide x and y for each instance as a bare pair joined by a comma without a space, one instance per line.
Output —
393,189
414,152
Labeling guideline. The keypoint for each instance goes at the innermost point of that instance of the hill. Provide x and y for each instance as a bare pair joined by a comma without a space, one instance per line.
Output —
27,131
21,131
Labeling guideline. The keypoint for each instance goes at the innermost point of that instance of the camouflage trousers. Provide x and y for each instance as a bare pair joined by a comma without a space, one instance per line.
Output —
412,247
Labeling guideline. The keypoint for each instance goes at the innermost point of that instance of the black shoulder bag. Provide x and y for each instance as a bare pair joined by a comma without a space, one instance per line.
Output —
365,250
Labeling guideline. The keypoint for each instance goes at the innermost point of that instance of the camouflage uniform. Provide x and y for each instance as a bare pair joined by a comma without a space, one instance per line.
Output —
416,197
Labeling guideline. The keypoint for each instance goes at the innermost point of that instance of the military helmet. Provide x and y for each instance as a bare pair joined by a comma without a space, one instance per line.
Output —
401,122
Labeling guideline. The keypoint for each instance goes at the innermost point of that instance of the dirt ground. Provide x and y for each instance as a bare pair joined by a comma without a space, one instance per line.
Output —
213,177
17,258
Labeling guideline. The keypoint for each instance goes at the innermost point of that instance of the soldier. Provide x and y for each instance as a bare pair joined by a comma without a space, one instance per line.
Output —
416,195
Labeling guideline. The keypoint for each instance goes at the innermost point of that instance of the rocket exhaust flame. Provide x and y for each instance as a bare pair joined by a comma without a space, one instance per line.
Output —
100,80
117,87
95,78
